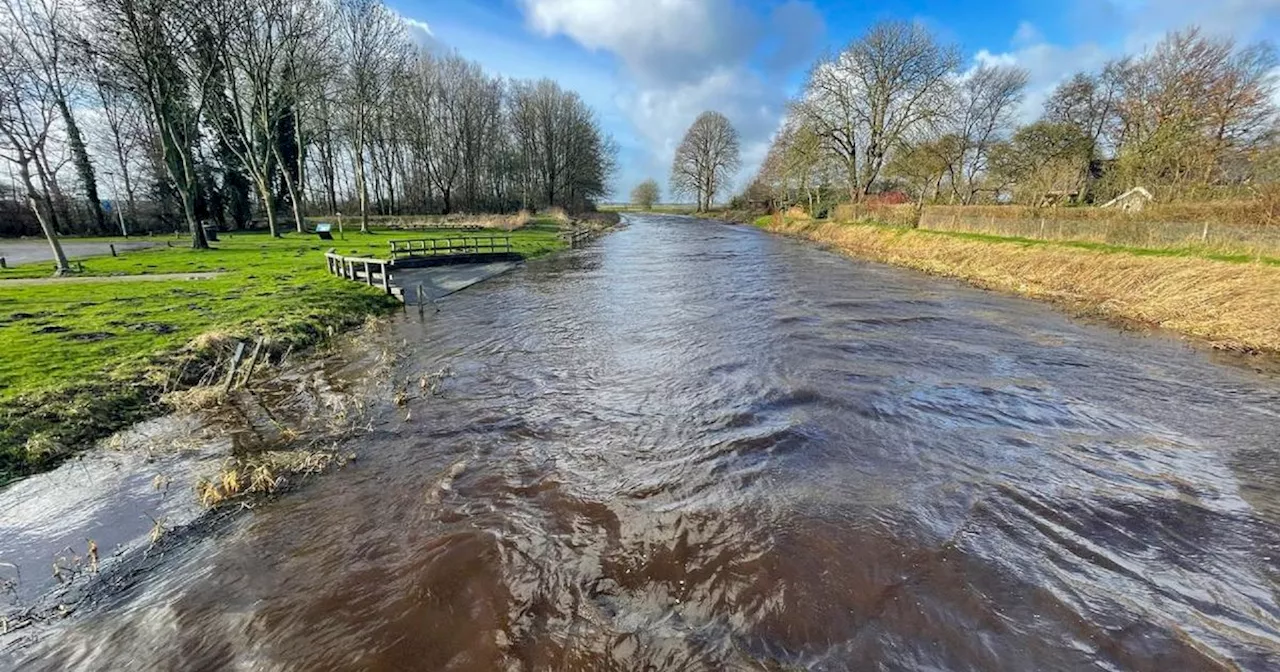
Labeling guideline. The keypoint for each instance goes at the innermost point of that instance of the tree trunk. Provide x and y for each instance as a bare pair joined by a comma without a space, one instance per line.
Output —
50,191
295,199
361,185
75,141
268,205
61,265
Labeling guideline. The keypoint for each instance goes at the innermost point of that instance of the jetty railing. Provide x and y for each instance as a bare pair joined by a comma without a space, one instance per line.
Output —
437,247
576,236
360,268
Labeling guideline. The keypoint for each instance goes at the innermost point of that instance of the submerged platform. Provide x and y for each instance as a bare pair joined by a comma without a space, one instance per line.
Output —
443,280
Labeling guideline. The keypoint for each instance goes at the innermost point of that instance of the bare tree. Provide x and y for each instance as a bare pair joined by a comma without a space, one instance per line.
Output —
865,100
256,76
646,194
706,159
373,42
28,109
46,29
988,99
159,49
1090,102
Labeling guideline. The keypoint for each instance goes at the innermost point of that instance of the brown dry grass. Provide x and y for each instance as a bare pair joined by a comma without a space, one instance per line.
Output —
264,473
896,215
1253,212
1231,305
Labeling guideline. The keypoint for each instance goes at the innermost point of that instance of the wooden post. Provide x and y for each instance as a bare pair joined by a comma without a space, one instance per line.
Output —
113,249
253,361
368,274
2,264
235,361
386,280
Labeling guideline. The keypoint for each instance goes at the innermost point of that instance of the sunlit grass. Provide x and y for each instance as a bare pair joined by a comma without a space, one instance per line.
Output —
83,358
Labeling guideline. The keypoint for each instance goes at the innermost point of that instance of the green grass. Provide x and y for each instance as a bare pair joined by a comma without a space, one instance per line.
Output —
83,359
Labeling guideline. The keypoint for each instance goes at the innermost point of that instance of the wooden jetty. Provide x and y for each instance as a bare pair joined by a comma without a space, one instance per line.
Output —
419,253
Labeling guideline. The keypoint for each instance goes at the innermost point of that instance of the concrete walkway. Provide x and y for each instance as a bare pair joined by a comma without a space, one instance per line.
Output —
441,281
27,251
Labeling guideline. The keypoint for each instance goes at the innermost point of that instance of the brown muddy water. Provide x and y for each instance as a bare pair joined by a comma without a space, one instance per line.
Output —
694,446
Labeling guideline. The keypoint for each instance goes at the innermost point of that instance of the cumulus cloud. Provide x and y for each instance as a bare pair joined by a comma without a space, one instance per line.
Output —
659,40
687,56
420,33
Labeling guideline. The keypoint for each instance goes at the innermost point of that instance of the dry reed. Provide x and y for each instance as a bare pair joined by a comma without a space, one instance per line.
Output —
1233,306
264,473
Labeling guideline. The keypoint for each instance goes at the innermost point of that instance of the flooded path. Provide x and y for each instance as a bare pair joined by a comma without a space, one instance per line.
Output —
693,446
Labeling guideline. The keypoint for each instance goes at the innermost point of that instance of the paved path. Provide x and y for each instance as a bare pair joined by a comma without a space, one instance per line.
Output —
155,277
26,251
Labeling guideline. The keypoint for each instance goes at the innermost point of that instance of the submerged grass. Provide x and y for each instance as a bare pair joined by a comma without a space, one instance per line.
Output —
1233,303
82,360
261,474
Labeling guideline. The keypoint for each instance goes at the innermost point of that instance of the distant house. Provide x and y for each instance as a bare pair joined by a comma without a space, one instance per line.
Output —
1133,200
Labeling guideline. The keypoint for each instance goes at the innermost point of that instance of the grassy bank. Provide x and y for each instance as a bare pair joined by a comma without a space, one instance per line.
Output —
1230,303
83,359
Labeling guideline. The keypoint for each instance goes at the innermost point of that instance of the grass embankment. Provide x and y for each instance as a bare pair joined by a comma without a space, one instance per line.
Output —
83,359
1231,302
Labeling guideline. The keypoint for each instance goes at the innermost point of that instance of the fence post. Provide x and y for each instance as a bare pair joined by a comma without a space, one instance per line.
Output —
113,249
386,279
368,274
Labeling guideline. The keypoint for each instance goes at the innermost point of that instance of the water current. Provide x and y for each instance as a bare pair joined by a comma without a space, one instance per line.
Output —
695,446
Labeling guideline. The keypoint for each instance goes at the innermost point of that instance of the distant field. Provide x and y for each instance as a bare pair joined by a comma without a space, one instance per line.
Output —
663,208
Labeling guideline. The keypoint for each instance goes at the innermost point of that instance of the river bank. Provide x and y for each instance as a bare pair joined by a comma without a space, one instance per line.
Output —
88,356
105,520
706,447
167,485
1232,306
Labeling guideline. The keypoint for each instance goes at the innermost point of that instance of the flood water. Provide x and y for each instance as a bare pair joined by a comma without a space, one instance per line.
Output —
693,446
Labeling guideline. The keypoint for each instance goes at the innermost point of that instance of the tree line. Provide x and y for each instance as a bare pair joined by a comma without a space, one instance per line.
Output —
1193,117
193,112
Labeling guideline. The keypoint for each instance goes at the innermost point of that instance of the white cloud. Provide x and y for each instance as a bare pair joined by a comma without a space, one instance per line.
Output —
688,56
659,40
420,33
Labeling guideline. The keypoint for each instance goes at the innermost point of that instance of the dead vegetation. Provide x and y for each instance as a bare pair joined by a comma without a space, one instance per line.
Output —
1244,227
262,474
1233,306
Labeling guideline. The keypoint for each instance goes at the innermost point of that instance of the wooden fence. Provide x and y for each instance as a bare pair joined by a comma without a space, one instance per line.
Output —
576,236
440,247
360,268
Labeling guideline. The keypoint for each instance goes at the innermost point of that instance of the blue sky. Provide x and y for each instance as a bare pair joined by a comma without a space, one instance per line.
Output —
648,67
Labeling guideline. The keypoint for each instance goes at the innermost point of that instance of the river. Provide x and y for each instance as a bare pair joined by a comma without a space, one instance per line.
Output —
695,446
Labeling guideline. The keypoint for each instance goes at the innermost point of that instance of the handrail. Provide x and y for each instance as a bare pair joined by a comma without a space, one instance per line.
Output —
430,247
350,268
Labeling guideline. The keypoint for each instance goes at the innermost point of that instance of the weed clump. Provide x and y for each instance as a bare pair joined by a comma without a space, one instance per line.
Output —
261,474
